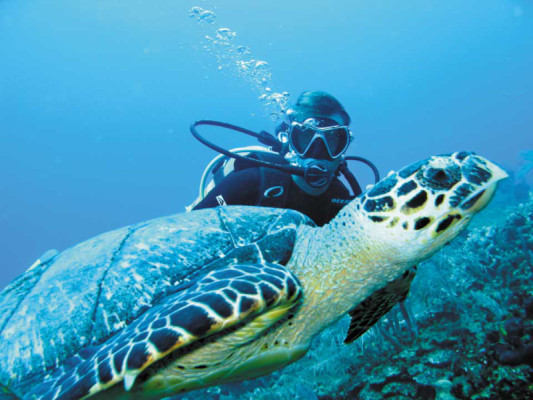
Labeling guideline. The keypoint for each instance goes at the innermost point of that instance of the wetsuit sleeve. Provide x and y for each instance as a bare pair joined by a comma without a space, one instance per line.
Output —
238,188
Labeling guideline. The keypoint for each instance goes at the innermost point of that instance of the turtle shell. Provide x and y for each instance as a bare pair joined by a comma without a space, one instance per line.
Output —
85,294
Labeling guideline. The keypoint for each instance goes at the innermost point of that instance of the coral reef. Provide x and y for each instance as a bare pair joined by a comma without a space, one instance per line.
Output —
466,331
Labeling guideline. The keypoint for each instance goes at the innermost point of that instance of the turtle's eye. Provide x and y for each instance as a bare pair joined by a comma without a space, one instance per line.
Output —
437,174
440,178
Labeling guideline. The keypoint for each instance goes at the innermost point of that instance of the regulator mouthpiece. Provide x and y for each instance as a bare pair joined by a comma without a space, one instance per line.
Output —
317,176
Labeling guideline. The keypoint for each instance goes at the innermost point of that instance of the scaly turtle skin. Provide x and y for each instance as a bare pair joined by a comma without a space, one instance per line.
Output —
226,294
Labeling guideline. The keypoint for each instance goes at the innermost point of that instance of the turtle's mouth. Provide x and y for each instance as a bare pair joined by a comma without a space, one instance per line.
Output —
479,199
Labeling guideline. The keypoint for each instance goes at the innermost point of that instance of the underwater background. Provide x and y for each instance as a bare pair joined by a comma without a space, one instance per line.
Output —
96,98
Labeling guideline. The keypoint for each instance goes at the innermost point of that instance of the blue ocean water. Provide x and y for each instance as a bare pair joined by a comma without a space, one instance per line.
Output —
96,99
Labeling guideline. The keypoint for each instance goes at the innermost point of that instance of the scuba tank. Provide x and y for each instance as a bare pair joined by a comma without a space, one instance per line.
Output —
221,166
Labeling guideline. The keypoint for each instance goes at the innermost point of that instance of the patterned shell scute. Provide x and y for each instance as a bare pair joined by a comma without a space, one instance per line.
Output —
41,311
94,289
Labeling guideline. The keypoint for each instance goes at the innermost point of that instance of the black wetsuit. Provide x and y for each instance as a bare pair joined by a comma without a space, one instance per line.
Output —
248,187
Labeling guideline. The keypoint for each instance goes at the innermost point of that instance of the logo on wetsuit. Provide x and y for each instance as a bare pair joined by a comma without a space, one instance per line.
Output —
274,191
340,201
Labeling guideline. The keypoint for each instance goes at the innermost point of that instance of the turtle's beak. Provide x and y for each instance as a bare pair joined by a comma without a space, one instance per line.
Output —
485,176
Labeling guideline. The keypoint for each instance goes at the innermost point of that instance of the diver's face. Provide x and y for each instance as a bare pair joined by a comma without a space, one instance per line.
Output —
315,144
319,148
319,138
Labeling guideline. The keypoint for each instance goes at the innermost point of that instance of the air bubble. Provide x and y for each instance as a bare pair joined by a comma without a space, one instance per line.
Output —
202,16
275,100
262,73
243,50
207,16
244,66
195,11
225,34
236,59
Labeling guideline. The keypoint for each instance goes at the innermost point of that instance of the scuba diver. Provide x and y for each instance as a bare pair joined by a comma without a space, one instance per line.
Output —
301,173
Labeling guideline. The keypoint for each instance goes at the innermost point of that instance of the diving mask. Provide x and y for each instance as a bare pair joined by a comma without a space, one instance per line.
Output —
335,138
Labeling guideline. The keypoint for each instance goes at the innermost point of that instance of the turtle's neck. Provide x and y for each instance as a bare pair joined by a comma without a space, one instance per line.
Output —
340,265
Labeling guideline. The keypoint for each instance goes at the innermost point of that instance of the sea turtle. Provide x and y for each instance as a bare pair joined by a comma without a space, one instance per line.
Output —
225,294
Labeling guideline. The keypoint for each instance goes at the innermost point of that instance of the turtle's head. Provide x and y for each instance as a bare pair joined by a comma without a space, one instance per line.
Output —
425,205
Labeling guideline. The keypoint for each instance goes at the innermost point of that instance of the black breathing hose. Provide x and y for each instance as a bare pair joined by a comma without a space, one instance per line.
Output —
350,178
262,137
367,162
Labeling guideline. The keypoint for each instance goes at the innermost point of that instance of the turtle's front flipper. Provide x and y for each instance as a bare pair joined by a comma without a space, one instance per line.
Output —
259,293
372,309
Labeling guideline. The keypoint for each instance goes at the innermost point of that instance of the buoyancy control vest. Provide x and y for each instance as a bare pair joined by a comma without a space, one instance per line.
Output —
274,183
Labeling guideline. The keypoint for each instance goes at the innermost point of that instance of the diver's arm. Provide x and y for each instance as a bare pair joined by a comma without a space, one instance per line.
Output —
238,188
